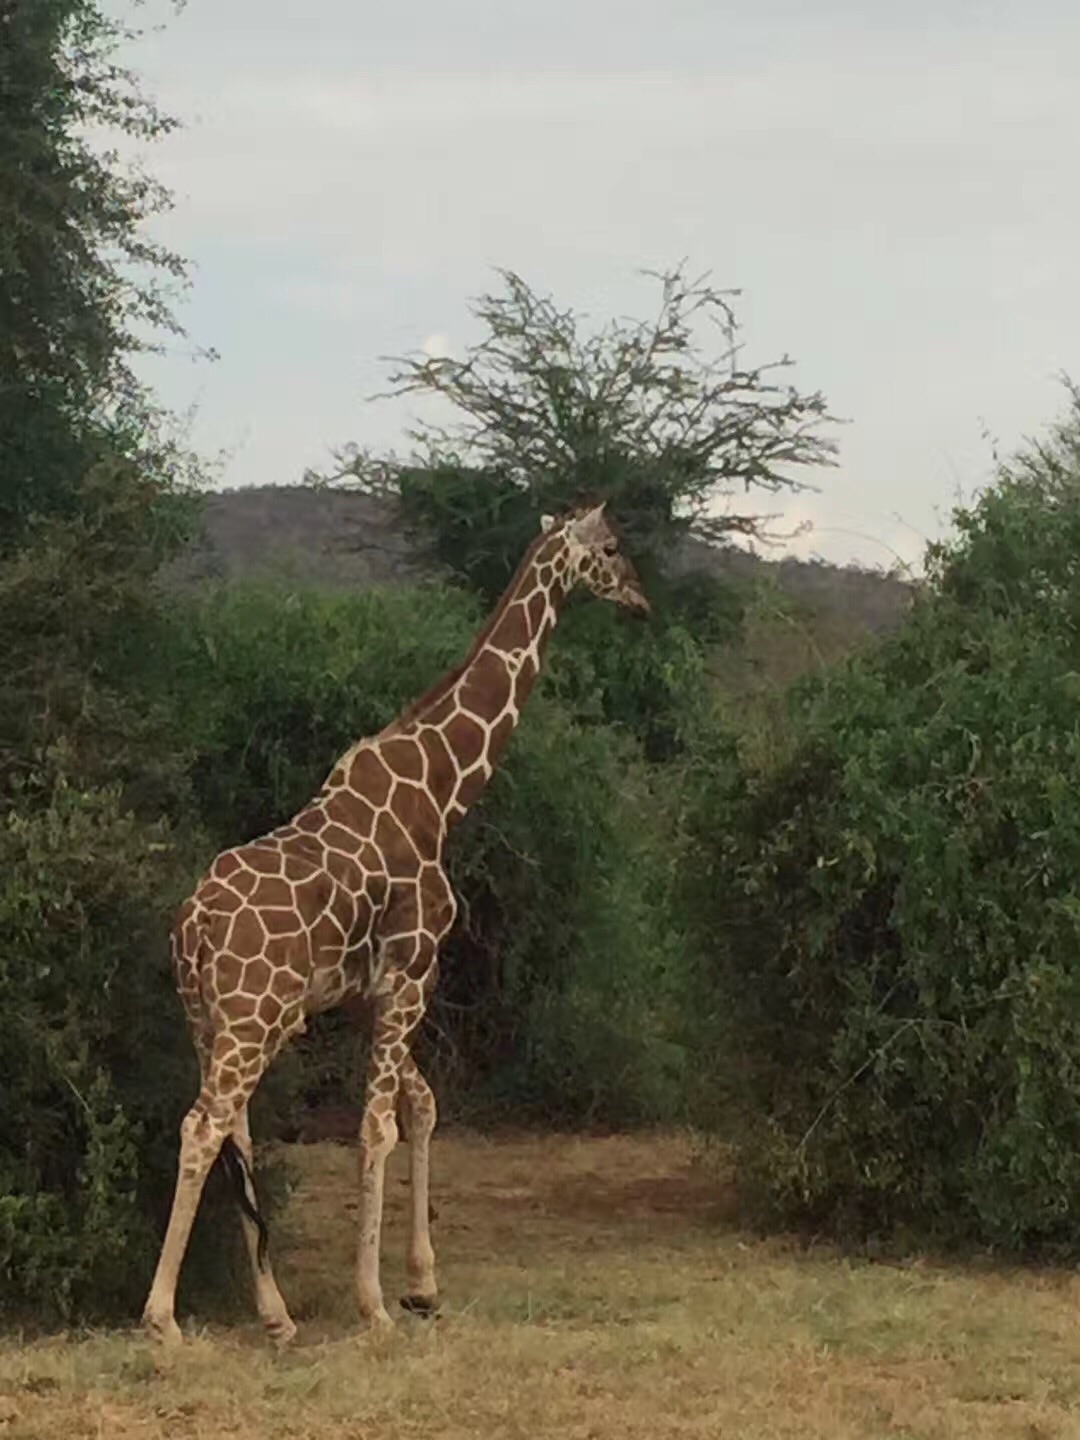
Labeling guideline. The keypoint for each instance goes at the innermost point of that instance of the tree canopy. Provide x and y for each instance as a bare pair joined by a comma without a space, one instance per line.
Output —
83,287
662,417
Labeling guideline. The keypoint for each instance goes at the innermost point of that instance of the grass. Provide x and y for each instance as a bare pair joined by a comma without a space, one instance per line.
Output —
593,1288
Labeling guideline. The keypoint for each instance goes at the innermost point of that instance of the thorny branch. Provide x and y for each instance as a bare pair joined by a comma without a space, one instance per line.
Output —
548,406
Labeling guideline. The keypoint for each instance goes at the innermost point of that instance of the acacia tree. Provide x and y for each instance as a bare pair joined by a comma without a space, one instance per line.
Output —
645,414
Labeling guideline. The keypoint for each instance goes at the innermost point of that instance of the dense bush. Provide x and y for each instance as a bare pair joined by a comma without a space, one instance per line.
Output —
269,684
646,681
99,840
566,975
890,912
92,1075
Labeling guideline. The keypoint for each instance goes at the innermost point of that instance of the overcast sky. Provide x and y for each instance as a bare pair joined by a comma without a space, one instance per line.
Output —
893,187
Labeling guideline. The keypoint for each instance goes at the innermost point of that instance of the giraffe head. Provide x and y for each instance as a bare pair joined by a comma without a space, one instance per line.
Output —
595,558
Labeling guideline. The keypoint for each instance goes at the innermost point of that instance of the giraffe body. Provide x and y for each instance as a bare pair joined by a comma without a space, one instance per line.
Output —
349,901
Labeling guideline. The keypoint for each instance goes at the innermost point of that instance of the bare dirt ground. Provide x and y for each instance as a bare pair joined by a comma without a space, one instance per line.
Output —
592,1288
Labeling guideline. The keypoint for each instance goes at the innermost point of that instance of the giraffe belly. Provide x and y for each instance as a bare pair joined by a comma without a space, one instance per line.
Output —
349,975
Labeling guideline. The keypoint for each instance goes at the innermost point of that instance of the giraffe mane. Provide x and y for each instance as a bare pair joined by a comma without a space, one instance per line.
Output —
415,710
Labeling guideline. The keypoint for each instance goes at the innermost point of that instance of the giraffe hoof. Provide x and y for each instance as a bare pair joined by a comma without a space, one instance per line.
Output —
424,1305
281,1331
163,1329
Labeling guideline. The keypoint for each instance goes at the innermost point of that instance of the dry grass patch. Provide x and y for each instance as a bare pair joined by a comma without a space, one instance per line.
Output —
593,1289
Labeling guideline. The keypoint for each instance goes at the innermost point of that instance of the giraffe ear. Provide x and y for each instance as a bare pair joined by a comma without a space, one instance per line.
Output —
546,522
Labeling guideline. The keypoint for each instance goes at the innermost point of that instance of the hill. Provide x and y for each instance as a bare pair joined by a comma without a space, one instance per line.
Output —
340,539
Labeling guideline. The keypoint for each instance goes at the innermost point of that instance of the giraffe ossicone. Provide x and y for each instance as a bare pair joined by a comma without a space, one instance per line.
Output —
349,902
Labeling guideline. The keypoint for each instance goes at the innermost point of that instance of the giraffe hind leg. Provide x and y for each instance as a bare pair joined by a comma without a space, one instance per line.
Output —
238,1156
193,1166
202,1134
218,1117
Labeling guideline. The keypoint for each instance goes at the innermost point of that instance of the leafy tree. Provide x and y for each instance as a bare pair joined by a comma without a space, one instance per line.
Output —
95,488
642,414
82,287
638,413
889,913
97,838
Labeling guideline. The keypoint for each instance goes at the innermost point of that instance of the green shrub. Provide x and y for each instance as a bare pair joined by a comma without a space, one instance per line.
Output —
96,1072
97,836
889,914
98,844
645,681
270,684
564,974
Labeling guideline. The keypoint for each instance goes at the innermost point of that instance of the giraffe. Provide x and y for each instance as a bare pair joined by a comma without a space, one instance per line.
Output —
348,903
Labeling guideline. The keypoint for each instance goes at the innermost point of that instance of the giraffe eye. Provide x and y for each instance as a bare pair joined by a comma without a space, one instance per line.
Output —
610,546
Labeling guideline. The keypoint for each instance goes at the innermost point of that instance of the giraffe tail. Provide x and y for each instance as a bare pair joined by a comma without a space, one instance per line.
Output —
243,1183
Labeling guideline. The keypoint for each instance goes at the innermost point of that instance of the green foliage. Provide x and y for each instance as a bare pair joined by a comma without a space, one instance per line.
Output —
83,287
87,1145
271,684
472,522
97,836
637,413
80,622
889,911
563,980
646,681
98,842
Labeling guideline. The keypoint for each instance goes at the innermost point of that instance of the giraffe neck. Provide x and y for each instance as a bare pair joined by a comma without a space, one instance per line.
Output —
474,709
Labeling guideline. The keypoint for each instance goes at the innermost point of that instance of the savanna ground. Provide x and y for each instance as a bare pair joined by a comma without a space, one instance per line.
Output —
593,1288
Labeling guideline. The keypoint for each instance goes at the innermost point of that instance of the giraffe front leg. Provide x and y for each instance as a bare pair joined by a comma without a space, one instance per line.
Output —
397,1013
378,1136
418,1105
